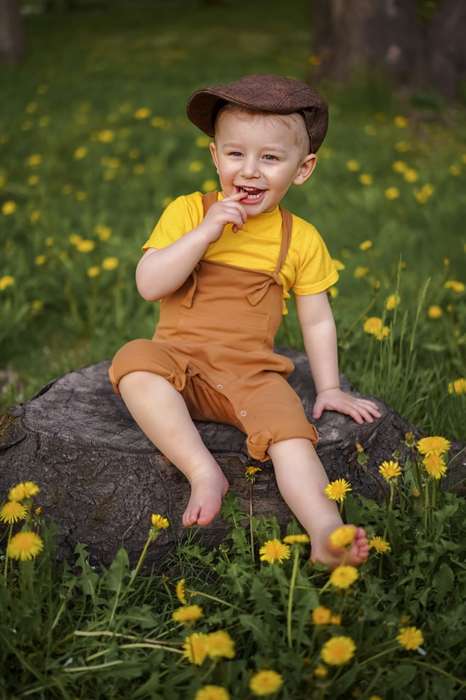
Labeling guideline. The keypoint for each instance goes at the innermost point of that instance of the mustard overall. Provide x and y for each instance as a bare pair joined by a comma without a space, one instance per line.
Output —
214,343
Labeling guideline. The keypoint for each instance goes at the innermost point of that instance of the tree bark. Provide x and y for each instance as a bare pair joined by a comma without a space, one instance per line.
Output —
101,478
415,48
12,43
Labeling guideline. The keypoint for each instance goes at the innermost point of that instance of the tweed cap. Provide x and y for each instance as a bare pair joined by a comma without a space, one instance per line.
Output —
265,93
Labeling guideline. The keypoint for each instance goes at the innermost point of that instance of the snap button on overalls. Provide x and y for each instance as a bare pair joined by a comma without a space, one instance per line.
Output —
214,343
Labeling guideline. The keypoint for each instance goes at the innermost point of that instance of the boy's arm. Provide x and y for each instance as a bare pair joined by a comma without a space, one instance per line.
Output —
320,341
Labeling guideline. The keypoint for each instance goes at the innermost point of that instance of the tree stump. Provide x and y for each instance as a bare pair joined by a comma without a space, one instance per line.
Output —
101,478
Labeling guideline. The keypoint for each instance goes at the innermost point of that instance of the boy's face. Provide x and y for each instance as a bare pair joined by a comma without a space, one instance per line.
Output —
259,152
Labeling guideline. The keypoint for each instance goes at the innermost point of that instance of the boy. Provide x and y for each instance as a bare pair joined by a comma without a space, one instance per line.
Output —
222,266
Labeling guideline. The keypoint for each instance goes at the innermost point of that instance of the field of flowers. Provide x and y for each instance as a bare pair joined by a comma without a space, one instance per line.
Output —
94,142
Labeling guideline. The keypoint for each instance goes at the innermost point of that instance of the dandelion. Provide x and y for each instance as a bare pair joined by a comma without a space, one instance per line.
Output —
202,141
6,281
12,511
265,682
454,170
188,613
344,576
105,136
434,465
392,301
80,153
159,123
103,232
335,619
410,638
37,305
338,264
40,260
390,470
34,160
433,445
314,60
320,671
110,263
410,175
142,113
181,591
372,325
160,522
212,692
337,490
455,286
400,122
366,179
297,539
33,180
85,246
220,644
333,291
365,245
25,489
195,166
195,648
399,166
434,311
273,551
343,536
360,271
8,207
250,473
380,545
93,271
458,386
321,615
392,193
338,651
25,545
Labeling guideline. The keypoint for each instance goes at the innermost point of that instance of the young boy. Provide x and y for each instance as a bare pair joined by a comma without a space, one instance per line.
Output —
222,265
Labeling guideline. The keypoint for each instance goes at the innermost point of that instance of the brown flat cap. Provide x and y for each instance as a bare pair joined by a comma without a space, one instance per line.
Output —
265,93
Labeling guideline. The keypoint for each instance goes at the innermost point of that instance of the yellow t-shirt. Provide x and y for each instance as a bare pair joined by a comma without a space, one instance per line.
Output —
308,267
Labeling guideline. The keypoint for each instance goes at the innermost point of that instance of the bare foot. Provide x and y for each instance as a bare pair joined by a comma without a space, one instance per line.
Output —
208,486
324,552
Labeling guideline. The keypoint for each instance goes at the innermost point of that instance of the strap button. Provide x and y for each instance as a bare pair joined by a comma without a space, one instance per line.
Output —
219,386
243,413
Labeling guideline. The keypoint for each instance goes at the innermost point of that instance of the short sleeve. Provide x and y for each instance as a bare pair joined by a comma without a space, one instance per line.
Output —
174,223
316,270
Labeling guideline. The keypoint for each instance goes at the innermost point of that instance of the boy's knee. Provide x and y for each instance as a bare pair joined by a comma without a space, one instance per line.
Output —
141,380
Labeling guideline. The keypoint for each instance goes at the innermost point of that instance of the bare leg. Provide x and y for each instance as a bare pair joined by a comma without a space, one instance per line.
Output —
161,413
301,479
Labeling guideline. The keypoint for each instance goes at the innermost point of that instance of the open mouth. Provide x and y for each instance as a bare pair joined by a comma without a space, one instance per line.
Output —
252,194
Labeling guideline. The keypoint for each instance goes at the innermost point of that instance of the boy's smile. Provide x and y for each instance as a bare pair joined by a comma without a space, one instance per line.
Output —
259,154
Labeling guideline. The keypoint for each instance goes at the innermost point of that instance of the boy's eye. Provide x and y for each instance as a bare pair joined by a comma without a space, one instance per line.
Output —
269,155
234,153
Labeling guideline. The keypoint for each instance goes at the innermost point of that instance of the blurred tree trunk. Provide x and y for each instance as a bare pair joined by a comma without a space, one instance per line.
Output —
11,32
420,43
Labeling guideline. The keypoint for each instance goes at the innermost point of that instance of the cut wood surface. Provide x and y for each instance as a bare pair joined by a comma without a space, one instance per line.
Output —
101,478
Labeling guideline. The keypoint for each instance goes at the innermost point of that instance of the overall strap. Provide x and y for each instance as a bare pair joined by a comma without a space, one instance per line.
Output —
208,199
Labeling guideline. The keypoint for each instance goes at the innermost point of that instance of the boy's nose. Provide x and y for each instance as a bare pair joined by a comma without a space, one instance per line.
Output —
249,167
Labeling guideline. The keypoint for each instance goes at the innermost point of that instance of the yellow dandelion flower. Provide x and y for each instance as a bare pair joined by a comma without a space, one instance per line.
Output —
34,160
85,246
343,576
209,186
320,671
212,692
379,544
110,263
273,551
12,511
202,141
382,333
365,245
457,386
333,291
195,648
392,193
142,113
338,651
410,175
105,136
338,265
455,286
8,207
434,311
25,546
375,697
399,166
410,638
296,539
160,522
188,613
390,470
37,305
93,271
335,619
250,472
25,489
336,490
265,682
366,179
353,166
392,301
435,444
159,123
321,615
400,122
343,535
6,281
220,644
80,153
33,180
454,170
181,591
314,60
103,232
195,166
40,260
434,465
372,325
360,271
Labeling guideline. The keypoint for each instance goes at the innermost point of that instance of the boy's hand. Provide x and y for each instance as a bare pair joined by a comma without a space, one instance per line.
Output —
228,211
360,410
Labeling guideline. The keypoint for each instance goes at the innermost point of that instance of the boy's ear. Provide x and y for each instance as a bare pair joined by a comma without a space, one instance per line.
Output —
213,153
305,169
